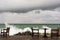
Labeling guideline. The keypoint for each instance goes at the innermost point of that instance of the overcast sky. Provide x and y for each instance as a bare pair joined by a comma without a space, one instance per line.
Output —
30,11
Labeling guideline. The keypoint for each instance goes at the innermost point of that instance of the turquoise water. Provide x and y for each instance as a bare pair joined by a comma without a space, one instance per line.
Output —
2,26
32,25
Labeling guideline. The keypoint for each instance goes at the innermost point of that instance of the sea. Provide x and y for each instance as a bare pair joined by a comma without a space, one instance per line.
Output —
16,28
32,25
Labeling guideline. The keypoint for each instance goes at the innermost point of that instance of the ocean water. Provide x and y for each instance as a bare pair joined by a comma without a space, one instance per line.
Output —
32,25
16,28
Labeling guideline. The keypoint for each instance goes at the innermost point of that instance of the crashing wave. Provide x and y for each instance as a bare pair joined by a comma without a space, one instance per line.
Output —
15,30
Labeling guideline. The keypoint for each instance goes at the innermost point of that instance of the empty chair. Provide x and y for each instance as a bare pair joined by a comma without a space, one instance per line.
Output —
54,32
58,32
35,33
5,32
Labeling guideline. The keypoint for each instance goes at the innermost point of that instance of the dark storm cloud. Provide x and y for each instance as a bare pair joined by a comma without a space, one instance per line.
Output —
30,9
20,6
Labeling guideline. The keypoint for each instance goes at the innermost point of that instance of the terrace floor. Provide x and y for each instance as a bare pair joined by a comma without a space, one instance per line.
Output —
26,37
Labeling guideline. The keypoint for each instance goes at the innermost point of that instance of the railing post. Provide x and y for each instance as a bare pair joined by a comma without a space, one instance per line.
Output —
45,33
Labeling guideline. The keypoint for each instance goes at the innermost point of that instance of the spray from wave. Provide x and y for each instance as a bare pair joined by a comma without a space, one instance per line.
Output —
15,30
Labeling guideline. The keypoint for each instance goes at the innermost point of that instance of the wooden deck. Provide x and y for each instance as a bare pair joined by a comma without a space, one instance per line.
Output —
26,37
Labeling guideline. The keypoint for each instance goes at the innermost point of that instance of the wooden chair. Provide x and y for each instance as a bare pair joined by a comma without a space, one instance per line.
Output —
54,32
5,32
59,32
35,34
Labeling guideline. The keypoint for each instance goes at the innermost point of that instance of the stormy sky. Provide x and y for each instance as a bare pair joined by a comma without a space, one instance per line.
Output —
30,11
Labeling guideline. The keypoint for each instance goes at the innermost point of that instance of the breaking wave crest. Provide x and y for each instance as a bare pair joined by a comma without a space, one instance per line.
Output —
15,30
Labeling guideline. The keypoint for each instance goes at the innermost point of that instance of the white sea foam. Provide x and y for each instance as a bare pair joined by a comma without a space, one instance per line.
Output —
15,30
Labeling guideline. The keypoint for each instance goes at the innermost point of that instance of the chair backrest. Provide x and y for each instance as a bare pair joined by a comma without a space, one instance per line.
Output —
59,32
33,33
54,32
7,30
